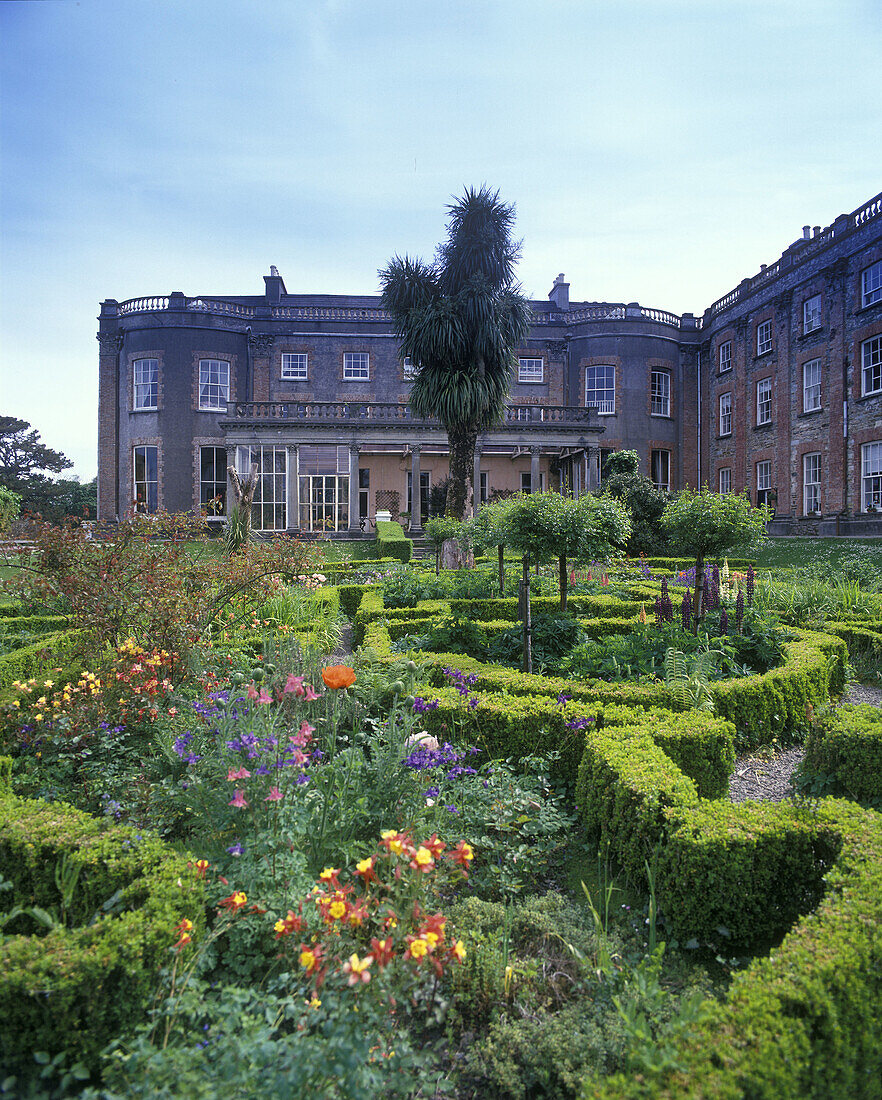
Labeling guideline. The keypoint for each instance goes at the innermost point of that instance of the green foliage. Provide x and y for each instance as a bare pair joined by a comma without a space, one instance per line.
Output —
708,525
553,636
545,526
10,505
644,502
461,321
97,965
441,528
843,755
392,541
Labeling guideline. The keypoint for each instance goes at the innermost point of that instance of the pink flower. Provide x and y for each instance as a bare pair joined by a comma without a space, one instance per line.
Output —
264,696
294,683
238,773
239,800
252,691
298,758
303,735
275,795
309,695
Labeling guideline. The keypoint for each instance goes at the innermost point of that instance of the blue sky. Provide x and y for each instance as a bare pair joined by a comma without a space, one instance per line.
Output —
657,151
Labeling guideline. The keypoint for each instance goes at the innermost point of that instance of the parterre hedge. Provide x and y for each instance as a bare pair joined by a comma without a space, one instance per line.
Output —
392,541
80,985
843,752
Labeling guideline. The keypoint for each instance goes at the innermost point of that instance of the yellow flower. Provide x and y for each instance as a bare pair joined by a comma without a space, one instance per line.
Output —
336,909
423,857
431,940
49,683
329,873
315,1003
307,959
459,950
279,926
365,865
418,949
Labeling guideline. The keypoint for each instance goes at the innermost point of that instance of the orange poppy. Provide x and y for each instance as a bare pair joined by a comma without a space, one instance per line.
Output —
338,676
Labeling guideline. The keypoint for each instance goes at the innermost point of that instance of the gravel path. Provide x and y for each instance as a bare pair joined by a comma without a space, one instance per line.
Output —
765,778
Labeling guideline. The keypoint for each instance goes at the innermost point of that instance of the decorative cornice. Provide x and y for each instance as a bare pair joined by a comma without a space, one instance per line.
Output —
557,348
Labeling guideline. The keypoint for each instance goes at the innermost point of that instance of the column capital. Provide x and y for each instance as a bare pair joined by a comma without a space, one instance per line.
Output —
109,343
534,450
261,343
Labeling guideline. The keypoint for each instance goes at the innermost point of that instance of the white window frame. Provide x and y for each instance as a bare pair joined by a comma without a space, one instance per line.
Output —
763,475
764,337
271,495
408,369
145,385
811,314
811,385
871,284
725,480
214,385
531,370
871,366
724,356
665,463
356,366
725,414
871,475
218,481
811,482
660,393
603,384
295,366
146,482
764,401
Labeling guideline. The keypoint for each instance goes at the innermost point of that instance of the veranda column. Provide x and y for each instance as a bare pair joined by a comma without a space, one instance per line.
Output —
592,458
534,469
294,486
354,517
416,527
476,479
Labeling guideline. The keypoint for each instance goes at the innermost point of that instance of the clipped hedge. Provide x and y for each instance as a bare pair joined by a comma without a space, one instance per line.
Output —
762,706
844,752
805,1020
77,987
392,541
520,725
30,660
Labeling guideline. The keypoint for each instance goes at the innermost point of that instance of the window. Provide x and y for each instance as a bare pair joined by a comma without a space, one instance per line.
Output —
763,482
294,366
484,486
324,487
356,366
725,480
763,337
660,394
811,313
871,284
811,483
525,482
364,493
725,414
724,354
531,370
811,385
660,470
145,375
871,365
146,471
214,384
213,480
269,505
425,493
409,369
871,476
764,401
600,389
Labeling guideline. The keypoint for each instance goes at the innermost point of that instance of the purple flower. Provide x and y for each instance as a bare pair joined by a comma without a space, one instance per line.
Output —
236,849
579,723
473,702
563,699
432,792
421,705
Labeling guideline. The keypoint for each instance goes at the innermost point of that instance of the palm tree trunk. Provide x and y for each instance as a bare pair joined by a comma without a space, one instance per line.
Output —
460,492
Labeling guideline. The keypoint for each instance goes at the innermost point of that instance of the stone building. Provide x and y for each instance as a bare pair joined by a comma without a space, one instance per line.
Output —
776,388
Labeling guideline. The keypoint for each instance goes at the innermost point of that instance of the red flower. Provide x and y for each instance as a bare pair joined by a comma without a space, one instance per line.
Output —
382,951
236,901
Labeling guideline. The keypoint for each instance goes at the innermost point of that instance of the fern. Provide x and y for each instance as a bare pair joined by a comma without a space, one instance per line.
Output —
687,678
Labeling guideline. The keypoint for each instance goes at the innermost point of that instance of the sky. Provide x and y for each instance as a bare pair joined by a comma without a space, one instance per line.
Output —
656,151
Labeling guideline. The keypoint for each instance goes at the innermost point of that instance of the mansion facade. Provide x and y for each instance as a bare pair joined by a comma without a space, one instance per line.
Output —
776,388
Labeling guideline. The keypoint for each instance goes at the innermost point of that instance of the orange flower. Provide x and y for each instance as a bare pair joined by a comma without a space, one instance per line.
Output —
338,676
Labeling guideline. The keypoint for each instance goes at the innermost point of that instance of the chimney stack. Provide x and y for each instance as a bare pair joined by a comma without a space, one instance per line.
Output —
560,294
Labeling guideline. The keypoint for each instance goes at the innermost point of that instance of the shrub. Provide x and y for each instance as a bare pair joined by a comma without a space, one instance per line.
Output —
392,541
843,755
87,979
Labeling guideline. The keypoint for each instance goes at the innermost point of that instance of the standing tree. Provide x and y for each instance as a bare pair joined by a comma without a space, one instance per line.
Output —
622,480
24,463
461,320
708,525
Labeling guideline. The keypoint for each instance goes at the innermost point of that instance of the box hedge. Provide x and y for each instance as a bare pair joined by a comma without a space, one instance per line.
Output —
77,987
392,541
843,754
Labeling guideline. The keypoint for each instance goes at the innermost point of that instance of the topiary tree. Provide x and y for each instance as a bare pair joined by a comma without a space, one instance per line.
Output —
487,529
645,503
438,530
543,527
705,524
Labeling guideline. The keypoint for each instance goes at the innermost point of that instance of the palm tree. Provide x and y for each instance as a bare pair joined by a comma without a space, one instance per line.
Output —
461,320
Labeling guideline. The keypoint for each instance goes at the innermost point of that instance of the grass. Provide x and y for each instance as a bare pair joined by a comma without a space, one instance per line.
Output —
837,553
